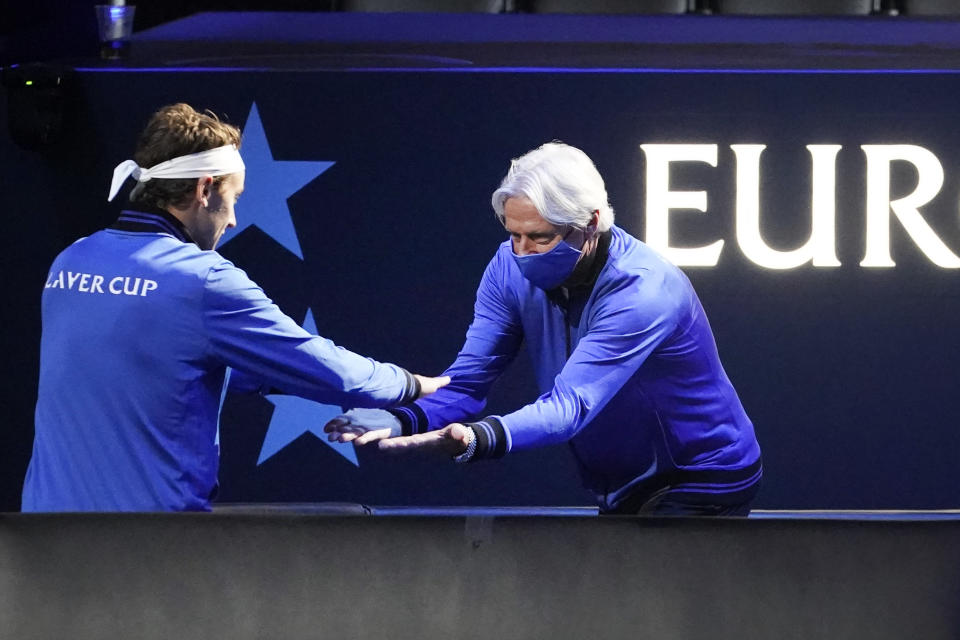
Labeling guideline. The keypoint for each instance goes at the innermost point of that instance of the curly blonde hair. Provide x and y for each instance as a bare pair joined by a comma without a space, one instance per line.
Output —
173,131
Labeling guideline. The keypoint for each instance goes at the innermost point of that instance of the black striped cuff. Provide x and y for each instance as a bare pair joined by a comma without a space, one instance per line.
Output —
412,390
412,419
491,438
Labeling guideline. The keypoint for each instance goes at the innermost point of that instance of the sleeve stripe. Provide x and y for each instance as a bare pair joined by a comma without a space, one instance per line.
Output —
412,390
405,416
420,422
412,419
492,439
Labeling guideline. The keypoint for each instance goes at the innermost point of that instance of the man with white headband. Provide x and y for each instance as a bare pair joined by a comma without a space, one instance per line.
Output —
140,322
625,360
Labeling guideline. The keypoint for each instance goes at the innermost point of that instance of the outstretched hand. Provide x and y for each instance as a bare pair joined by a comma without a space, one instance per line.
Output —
450,441
431,385
361,426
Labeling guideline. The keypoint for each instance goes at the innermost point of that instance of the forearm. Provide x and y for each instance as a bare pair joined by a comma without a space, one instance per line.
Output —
463,399
323,372
442,408
249,333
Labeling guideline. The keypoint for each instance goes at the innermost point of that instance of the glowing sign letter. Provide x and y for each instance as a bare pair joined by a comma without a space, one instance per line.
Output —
660,200
821,247
929,181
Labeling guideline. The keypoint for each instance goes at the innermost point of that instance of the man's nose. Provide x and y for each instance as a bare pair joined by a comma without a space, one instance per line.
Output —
232,221
524,247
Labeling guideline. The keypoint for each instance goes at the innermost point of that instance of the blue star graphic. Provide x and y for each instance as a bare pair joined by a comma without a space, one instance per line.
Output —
294,416
269,183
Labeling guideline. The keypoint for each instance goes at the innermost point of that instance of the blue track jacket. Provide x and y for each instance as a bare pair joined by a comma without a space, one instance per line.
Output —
139,325
629,375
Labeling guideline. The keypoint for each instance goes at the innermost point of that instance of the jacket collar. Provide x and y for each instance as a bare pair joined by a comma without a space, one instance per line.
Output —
150,220
579,285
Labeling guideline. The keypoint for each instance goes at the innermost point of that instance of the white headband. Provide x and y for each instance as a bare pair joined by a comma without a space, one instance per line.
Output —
215,162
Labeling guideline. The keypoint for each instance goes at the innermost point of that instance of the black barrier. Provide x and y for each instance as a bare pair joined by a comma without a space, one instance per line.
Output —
196,576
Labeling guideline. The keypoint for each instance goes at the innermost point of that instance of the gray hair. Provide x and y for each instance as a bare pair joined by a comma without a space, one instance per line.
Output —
562,183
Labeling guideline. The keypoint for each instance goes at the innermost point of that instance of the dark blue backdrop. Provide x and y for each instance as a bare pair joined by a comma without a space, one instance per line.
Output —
847,372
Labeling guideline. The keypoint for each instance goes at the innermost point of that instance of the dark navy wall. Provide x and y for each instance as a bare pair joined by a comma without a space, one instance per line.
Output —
847,372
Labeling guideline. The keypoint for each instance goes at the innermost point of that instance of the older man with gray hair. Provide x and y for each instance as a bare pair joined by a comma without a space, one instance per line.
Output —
624,358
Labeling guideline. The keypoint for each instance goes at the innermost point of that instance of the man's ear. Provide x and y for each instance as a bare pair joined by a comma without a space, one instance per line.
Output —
594,222
203,190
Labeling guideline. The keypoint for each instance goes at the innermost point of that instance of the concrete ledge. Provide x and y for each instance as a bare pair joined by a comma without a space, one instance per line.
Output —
295,576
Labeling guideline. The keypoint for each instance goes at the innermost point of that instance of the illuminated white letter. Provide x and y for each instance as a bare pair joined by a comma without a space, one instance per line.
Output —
660,200
929,181
821,247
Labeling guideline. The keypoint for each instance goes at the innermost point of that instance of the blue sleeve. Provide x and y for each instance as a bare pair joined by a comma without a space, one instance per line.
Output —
243,383
633,316
493,340
250,333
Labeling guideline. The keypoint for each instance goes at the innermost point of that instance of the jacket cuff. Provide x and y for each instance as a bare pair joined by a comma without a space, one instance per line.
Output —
412,419
412,390
493,441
